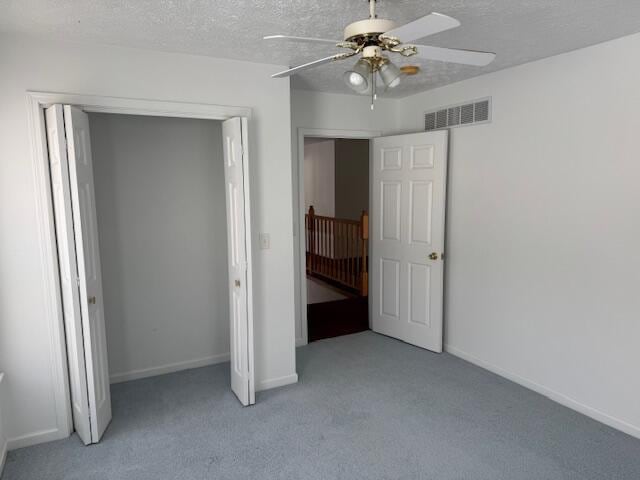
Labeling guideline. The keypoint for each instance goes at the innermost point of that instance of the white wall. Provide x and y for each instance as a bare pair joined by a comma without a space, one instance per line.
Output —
160,200
543,265
26,353
319,176
316,110
344,112
352,178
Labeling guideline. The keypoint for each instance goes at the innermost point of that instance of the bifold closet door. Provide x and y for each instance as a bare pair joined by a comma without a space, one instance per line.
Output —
236,172
407,237
79,259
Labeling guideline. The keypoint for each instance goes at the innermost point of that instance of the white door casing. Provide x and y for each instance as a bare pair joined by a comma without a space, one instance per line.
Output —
89,272
235,145
407,237
70,291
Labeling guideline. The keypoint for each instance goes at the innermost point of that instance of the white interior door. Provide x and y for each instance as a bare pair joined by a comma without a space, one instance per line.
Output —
61,192
234,133
407,237
89,277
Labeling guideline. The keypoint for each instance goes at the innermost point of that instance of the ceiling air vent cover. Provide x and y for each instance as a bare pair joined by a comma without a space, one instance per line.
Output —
469,113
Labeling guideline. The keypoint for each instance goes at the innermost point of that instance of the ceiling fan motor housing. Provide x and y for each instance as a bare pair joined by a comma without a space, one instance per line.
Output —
371,51
367,30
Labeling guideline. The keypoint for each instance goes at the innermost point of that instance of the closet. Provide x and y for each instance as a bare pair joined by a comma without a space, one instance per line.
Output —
153,241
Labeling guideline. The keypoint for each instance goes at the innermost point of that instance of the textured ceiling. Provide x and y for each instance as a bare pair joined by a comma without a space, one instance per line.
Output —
519,31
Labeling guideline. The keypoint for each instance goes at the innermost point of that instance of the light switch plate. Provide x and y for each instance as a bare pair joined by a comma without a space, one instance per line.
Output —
265,241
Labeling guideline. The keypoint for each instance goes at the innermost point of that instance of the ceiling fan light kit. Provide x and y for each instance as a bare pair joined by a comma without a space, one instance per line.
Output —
374,39
390,74
358,77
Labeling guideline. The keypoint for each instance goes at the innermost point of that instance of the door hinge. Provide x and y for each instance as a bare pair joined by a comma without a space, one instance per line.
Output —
78,281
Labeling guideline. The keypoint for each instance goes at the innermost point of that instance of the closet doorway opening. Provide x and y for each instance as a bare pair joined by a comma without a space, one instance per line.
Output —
151,217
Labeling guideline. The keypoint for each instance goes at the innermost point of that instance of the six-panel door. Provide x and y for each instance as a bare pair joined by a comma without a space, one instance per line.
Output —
407,237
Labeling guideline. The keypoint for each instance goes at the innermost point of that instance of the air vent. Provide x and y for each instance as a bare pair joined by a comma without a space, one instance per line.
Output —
469,113
430,121
481,111
466,114
453,116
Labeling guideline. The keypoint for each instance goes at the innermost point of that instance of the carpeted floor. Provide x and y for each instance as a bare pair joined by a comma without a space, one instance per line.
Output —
366,407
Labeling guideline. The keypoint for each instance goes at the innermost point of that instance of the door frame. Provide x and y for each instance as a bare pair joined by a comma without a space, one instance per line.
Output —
36,103
298,209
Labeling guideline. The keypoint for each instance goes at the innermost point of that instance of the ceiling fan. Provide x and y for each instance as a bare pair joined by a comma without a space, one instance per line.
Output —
374,38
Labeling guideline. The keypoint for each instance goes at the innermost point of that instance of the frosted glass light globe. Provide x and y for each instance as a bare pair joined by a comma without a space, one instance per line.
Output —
356,79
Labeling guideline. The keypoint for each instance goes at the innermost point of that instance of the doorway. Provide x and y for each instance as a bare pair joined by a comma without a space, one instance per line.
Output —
336,193
161,267
406,232
160,207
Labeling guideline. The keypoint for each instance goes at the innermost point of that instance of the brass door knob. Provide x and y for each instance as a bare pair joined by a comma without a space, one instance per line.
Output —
433,256
237,283
91,300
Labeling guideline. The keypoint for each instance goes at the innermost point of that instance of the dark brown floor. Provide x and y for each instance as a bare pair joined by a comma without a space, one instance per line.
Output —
333,319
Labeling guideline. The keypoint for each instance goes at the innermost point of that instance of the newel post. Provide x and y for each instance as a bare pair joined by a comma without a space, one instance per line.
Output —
364,282
311,238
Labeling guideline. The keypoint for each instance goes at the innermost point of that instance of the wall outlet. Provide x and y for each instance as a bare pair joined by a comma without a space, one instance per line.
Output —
265,241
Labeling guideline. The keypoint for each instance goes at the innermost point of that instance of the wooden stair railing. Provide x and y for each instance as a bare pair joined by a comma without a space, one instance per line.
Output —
337,249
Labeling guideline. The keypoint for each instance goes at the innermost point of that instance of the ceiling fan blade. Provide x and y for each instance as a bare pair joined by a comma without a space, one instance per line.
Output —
453,55
423,27
315,63
289,38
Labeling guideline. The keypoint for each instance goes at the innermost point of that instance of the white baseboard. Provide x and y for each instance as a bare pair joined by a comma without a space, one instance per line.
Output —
276,382
35,438
169,368
300,342
558,397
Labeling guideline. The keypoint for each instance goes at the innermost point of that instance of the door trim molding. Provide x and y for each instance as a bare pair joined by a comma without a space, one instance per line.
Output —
298,212
36,103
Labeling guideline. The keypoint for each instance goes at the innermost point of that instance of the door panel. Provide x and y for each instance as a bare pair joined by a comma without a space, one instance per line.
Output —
409,181
89,273
390,211
419,283
59,170
391,158
390,288
236,172
420,207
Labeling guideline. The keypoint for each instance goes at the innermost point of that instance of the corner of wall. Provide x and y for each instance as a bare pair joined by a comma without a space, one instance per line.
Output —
558,397
3,438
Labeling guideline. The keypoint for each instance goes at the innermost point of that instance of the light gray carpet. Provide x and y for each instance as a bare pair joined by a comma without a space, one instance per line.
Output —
367,407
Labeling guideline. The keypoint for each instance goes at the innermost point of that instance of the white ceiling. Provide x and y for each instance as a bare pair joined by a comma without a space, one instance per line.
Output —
519,31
